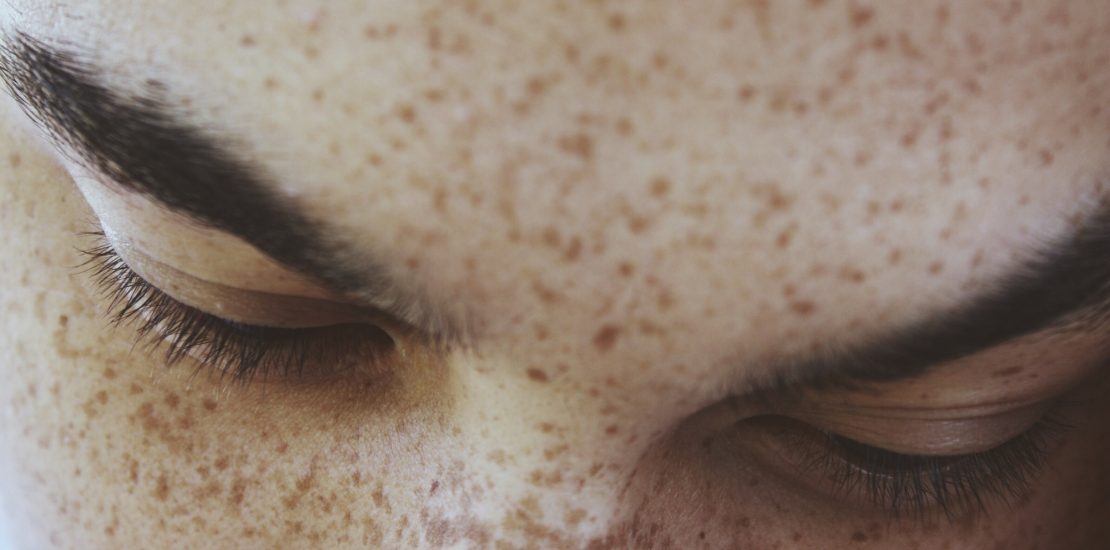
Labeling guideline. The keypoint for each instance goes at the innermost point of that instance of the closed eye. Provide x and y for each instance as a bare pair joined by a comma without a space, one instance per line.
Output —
244,352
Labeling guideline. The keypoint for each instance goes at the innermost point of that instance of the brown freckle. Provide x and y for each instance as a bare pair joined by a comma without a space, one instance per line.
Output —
660,187
935,268
745,93
573,250
859,536
862,158
172,400
612,429
908,139
580,145
434,487
860,16
311,52
208,404
1046,157
222,463
135,389
616,22
14,160
281,448
102,397
407,113
625,269
1010,371
606,337
246,41
624,126
784,238
803,308
852,275
745,522
880,42
109,373
537,375
162,490
318,95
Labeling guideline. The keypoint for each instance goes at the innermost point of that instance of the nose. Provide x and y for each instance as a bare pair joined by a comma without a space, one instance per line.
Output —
542,456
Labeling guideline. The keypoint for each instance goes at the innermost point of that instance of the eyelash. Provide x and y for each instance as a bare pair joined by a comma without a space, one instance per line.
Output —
956,486
242,351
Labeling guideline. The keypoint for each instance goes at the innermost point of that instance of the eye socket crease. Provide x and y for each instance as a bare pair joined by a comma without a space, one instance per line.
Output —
144,148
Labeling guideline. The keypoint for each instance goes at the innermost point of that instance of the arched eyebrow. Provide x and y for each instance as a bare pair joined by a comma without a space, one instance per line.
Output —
141,146
1065,288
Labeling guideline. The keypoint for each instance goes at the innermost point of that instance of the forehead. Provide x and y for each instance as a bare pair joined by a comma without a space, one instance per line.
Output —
745,168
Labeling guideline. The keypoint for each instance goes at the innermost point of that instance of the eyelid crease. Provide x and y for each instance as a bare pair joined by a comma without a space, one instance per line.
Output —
241,305
932,437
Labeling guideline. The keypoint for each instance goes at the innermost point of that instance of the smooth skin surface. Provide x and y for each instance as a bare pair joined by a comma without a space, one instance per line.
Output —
639,209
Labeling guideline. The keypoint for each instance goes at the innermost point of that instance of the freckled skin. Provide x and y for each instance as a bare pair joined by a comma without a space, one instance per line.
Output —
632,204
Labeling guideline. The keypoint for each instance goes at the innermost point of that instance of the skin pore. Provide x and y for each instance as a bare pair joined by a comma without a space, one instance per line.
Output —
637,213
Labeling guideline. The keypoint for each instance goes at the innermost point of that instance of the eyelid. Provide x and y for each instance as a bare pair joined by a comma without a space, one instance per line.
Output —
251,307
927,436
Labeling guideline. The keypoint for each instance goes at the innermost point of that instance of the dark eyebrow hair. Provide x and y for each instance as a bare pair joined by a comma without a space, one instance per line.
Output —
141,146
1065,287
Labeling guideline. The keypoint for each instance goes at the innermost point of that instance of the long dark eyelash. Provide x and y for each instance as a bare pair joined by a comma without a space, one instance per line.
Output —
243,352
958,486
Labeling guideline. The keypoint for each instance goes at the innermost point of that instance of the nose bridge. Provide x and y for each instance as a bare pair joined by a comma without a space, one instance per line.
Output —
550,459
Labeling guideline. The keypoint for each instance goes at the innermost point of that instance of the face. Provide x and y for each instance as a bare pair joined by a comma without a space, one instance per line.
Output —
415,275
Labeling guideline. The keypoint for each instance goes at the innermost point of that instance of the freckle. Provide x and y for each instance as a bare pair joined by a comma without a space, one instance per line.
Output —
908,139
434,487
1046,157
881,42
860,16
580,145
407,113
573,250
14,160
311,52
162,491
745,93
209,404
616,22
222,463
665,300
784,238
102,397
246,41
852,275
109,373
624,126
936,267
745,522
859,536
317,95
282,448
625,269
172,400
270,83
611,429
606,337
660,187
895,257
540,331
803,308
537,375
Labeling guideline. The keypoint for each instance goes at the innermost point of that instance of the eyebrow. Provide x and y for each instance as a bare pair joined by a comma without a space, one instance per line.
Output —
1064,288
140,145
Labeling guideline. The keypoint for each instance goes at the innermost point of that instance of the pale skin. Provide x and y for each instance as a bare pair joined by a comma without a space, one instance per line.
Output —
636,208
